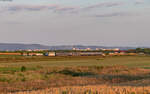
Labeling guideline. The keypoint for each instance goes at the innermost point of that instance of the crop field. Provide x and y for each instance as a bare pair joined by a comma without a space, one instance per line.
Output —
72,74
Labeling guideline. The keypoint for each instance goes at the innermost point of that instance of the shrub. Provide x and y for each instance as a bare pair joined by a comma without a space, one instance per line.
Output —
23,79
3,79
23,68
64,92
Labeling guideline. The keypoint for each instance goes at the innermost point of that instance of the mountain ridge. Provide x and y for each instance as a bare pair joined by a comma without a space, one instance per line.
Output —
18,46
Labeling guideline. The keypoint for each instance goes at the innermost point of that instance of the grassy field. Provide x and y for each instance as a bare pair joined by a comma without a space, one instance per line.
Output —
18,73
130,61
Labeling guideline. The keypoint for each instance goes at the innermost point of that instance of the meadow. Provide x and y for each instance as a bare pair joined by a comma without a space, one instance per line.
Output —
31,75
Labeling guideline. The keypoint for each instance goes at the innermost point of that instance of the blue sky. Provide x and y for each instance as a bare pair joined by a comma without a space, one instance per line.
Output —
70,22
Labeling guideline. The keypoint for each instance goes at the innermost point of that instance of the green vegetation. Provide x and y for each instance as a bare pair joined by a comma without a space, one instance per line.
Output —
23,68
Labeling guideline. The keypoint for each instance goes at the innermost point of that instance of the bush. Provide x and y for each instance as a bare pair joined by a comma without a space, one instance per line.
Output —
64,92
23,68
74,73
23,79
3,79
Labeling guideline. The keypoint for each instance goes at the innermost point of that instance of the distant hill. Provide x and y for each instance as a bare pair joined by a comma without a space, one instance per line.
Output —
69,47
17,46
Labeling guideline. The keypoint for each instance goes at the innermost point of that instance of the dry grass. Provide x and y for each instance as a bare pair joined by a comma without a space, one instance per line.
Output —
97,89
75,75
56,77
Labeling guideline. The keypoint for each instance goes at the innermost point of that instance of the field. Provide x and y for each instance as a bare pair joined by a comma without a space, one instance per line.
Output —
69,75
130,61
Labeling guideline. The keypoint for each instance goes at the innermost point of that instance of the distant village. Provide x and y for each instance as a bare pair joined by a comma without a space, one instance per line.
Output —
75,52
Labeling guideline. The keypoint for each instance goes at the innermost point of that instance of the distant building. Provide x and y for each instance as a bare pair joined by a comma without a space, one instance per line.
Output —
39,54
88,49
141,53
64,54
29,50
50,54
111,54
74,48
123,53
116,49
98,49
25,54
90,53
35,54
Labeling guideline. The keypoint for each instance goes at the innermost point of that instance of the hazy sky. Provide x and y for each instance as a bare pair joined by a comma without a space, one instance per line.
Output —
71,22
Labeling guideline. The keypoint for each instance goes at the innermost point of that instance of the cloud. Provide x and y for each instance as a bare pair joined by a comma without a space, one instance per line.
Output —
58,8
55,8
139,1
105,4
68,9
30,7
65,9
113,14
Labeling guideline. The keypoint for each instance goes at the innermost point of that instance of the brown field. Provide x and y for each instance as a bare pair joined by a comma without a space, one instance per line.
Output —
75,75
61,78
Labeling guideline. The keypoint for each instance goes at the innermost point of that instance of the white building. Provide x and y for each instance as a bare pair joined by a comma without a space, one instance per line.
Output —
50,54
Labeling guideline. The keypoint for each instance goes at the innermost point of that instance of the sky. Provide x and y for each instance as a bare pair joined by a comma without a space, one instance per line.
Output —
75,22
